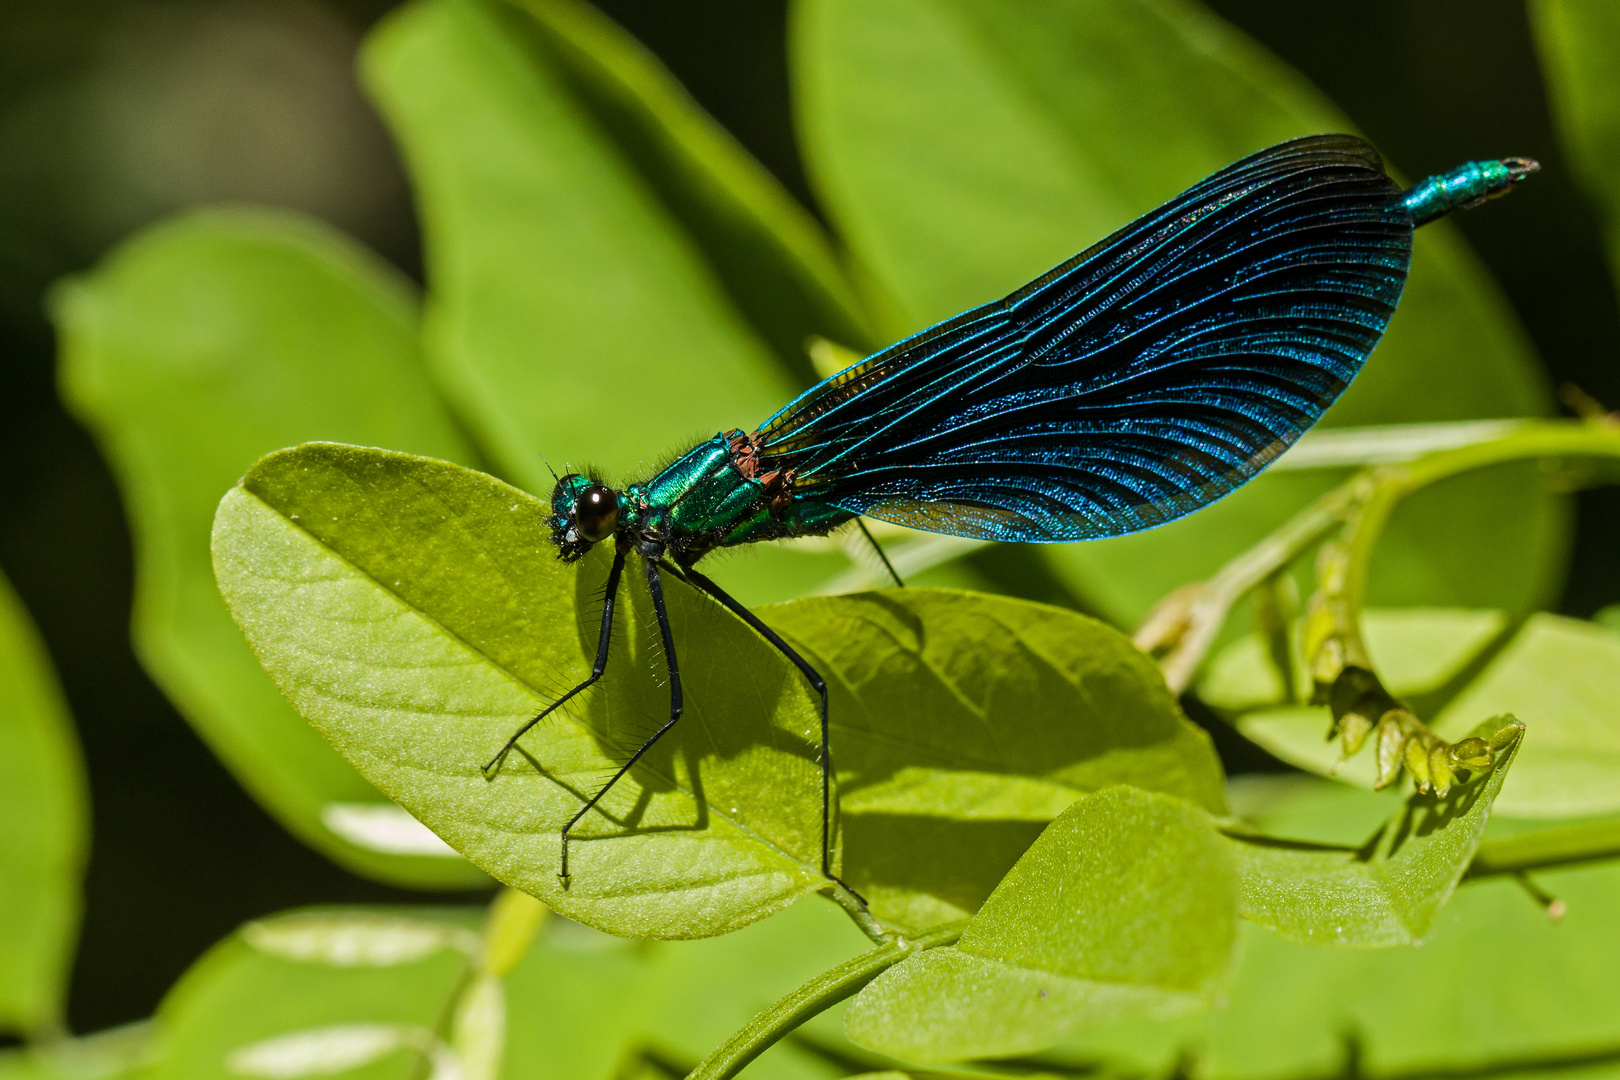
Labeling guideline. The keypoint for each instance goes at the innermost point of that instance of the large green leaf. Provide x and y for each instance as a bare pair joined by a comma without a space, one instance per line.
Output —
1497,988
1387,889
963,148
590,235
1562,678
44,829
963,723
1579,43
194,349
416,613
1125,907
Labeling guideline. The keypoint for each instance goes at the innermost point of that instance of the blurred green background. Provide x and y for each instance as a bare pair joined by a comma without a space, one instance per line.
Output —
113,114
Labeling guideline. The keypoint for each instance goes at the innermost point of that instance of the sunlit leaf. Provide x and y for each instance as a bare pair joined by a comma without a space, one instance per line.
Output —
339,562
44,829
1386,890
355,939
1496,988
416,613
242,1011
963,724
964,147
1125,907
1562,678
191,351
566,287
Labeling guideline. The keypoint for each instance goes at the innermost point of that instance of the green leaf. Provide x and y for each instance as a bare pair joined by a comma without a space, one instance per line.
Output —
44,830
603,286
191,351
1562,677
963,148
245,1011
1387,890
1579,45
1497,988
1125,907
1424,655
963,723
416,613
106,1055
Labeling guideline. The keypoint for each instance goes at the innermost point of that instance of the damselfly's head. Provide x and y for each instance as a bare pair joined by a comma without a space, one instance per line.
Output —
583,512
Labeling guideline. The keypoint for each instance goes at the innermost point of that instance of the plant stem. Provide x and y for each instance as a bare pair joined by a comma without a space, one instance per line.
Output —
1547,849
815,996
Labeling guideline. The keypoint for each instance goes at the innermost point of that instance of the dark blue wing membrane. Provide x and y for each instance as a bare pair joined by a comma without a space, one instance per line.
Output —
1140,380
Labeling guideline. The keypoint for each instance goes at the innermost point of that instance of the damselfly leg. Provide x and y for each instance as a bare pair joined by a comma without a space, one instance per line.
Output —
602,640
818,684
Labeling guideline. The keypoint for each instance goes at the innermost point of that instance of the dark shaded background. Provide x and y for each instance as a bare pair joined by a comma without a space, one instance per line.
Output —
115,113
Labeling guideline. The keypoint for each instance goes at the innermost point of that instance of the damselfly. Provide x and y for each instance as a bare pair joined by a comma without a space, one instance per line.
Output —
1140,380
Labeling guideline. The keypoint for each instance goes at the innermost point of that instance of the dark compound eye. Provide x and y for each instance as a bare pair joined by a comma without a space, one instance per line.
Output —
596,513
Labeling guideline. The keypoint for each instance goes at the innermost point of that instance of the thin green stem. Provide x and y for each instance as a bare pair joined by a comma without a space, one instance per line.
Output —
1547,849
815,996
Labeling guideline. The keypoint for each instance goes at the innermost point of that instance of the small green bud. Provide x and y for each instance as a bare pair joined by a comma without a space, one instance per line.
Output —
1417,763
1440,773
1354,728
1390,741
1505,737
1472,754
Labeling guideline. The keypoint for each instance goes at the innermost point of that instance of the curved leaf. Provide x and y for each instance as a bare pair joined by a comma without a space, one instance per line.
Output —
1497,988
44,829
244,1011
963,148
1388,889
569,254
963,723
195,348
416,613
1124,908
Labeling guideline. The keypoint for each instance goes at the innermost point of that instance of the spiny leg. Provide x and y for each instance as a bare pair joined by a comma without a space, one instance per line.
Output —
820,686
602,639
877,547
656,587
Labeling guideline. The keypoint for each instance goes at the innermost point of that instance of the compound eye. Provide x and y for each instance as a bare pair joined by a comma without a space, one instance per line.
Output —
596,513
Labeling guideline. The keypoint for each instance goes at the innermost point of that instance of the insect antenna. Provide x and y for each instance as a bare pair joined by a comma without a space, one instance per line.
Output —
549,469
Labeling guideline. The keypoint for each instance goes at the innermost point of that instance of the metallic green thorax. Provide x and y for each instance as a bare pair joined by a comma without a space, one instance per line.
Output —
711,497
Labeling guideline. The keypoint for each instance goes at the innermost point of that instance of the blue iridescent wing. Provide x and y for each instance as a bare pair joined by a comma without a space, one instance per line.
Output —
1140,380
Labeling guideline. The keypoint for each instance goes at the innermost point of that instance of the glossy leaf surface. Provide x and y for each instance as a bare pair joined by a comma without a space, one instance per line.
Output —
44,829
1125,907
963,149
192,350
